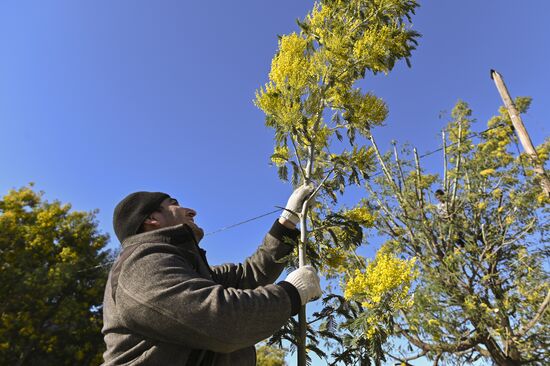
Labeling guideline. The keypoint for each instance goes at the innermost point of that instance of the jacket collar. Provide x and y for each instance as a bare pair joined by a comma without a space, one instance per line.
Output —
179,235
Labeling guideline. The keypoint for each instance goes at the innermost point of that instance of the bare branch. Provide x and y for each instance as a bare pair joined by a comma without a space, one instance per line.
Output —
298,157
385,169
482,351
517,236
437,357
382,205
419,193
407,359
445,163
441,347
320,184
457,168
398,162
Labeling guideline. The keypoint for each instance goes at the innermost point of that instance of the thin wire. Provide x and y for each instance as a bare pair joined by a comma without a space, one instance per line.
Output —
467,137
242,222
474,134
279,209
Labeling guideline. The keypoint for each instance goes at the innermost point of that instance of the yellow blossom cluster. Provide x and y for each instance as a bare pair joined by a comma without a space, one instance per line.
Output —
471,303
385,282
497,139
351,39
280,155
361,215
319,19
291,66
378,45
293,72
332,28
542,199
486,172
285,111
373,324
482,205
68,255
543,150
497,193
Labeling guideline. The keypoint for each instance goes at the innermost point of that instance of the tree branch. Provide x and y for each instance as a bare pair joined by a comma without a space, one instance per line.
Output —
442,347
445,163
298,157
398,162
385,169
457,168
540,312
407,359
482,351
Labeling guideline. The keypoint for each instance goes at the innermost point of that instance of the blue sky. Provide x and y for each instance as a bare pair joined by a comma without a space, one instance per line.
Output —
102,98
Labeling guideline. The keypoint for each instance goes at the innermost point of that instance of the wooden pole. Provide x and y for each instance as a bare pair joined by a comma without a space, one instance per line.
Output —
521,131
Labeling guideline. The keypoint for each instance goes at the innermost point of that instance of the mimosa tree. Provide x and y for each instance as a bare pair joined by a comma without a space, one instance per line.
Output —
479,237
53,272
311,102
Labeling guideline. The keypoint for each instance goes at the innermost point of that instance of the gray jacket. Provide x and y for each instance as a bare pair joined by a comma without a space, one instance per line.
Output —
164,305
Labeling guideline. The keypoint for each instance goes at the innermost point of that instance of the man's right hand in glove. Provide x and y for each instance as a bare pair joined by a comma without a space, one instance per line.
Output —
307,282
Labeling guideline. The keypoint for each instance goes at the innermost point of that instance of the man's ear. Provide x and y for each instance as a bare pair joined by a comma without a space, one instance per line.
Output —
151,221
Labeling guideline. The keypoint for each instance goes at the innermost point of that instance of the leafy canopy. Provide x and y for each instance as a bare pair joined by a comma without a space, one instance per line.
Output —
51,283
480,246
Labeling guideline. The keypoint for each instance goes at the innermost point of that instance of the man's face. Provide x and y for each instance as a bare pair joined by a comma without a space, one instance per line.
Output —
171,214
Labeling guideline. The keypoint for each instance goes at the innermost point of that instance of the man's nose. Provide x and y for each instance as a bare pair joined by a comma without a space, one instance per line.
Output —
191,212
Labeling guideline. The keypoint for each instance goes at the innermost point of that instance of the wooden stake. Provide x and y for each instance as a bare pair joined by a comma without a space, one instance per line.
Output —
521,131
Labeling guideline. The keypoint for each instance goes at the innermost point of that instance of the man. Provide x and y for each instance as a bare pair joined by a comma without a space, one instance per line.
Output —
441,207
164,305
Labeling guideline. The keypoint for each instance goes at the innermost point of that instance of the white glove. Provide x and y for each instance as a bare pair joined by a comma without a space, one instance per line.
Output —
306,281
295,202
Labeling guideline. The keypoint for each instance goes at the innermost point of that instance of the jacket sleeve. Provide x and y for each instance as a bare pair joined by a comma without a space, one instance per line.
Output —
161,296
264,266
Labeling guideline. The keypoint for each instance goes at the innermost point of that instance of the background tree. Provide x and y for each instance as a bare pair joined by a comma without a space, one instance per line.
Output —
480,246
51,283
311,102
267,355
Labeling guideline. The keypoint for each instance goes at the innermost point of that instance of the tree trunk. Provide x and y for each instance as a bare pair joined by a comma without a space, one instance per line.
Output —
498,356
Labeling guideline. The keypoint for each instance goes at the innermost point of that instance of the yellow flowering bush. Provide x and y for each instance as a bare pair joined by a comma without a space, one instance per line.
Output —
48,251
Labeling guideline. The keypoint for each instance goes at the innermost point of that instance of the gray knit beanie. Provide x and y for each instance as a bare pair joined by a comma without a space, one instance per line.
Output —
133,210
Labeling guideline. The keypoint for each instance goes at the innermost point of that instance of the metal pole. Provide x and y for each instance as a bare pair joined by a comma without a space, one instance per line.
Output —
302,261
302,319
